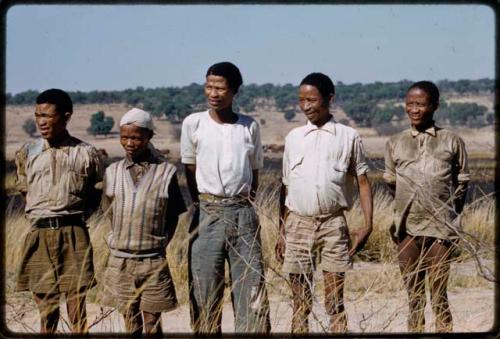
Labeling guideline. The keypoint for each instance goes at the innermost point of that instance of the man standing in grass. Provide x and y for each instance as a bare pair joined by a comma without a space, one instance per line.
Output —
321,162
60,176
222,153
143,199
426,169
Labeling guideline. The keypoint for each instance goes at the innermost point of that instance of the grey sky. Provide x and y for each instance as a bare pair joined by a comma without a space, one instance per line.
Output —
83,47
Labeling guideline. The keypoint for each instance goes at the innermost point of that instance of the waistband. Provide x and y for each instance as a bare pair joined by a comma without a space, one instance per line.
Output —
60,221
214,199
321,217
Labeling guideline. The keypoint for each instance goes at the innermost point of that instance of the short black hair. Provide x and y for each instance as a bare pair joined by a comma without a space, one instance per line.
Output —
322,82
229,71
56,97
428,87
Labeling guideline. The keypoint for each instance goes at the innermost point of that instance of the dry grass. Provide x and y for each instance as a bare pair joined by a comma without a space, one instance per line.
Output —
376,273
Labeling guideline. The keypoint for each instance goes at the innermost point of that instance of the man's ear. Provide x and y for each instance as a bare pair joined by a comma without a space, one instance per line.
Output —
67,116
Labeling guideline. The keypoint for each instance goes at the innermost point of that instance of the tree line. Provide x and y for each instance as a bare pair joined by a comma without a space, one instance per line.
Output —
366,104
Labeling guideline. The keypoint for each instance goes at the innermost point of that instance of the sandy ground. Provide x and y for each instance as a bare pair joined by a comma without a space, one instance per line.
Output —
367,311
274,128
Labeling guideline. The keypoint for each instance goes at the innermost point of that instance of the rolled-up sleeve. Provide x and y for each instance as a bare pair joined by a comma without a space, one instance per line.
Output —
188,147
359,162
257,157
21,180
286,165
389,175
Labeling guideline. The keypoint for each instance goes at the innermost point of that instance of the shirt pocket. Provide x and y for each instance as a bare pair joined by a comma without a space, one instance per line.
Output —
76,182
441,160
338,172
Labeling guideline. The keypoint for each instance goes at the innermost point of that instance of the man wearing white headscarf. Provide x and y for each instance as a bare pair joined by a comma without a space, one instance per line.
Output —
141,195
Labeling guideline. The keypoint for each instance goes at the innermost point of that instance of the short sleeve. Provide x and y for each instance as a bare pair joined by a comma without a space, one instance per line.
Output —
461,169
97,169
390,170
20,160
359,164
286,165
188,147
257,158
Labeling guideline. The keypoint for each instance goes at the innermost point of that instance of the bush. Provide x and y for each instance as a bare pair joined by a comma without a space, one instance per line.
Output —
29,126
100,124
289,115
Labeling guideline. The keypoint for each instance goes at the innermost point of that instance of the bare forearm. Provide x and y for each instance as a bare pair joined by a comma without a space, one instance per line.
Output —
255,184
283,212
190,171
366,200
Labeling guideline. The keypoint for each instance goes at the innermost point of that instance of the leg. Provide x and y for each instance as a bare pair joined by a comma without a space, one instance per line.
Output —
334,300
302,301
413,272
152,323
75,305
439,271
133,319
206,269
248,287
48,306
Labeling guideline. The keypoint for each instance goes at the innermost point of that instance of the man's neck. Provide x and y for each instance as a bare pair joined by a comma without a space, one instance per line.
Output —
424,126
224,116
59,139
323,121
142,157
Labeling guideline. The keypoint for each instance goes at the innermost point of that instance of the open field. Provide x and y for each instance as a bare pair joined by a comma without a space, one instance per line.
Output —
375,301
478,141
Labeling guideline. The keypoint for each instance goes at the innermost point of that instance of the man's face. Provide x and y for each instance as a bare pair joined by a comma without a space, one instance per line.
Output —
311,103
49,122
134,140
419,107
218,93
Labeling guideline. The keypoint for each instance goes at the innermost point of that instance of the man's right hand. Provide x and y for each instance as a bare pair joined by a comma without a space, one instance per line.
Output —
280,248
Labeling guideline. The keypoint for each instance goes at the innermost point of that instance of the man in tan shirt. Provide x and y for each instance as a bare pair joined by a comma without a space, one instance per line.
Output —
426,168
321,163
60,176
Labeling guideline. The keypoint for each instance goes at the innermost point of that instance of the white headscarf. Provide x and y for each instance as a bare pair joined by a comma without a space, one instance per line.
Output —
138,117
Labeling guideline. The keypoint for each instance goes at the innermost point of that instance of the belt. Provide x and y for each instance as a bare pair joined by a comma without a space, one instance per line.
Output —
320,218
60,221
206,197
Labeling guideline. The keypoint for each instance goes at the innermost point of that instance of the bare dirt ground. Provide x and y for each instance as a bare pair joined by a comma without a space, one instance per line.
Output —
367,311
274,128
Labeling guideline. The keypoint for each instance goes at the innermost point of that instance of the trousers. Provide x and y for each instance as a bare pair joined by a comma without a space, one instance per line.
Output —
227,232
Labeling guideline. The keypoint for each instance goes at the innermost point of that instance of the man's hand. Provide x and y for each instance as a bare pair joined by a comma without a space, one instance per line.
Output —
280,248
360,238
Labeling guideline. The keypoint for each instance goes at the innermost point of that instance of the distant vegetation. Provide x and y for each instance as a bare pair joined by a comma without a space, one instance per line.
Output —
366,104
100,124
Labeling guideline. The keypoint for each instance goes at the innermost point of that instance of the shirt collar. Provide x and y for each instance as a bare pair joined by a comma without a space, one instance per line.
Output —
152,158
329,126
430,130
65,142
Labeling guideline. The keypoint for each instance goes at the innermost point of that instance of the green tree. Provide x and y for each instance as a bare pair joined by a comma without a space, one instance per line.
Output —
29,126
100,124
289,115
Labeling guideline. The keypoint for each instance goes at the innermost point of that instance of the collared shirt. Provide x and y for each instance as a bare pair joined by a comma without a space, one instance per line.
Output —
320,166
429,170
224,154
58,180
138,169
139,210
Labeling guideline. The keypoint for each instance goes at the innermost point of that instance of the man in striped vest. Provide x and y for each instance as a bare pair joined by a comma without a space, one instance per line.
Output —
143,199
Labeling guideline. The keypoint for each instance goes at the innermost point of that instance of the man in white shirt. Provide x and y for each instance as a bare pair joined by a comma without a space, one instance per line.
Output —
222,154
321,162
